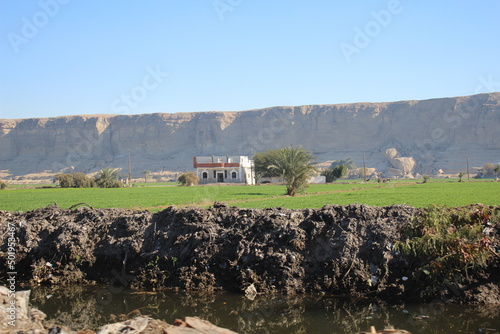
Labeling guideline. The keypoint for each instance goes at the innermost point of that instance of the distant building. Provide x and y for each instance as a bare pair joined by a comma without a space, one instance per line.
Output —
224,169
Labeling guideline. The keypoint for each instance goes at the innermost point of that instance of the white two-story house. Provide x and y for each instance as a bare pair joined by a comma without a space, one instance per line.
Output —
229,169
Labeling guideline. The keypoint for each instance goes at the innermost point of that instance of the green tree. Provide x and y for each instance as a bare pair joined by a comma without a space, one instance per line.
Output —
460,176
74,180
3,185
188,179
146,173
488,169
64,180
340,171
294,165
350,164
337,172
258,177
81,180
497,171
328,174
108,178
262,161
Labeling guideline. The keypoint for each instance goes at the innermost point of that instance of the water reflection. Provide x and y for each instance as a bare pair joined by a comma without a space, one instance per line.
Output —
89,308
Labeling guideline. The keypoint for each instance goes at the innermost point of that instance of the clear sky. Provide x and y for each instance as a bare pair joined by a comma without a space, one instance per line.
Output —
65,57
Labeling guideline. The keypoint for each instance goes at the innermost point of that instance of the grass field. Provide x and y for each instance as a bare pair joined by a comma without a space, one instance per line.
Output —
155,197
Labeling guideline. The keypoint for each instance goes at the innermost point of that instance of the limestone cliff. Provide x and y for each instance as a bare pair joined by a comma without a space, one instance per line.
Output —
436,133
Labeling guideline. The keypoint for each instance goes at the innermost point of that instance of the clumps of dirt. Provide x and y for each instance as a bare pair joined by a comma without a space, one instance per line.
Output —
344,250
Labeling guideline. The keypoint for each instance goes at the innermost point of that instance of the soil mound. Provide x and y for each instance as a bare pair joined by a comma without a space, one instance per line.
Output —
344,250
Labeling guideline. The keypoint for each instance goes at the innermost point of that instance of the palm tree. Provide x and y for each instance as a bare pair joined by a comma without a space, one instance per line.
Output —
108,178
294,165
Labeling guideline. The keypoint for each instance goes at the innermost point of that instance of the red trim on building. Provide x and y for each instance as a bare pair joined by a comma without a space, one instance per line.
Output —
215,164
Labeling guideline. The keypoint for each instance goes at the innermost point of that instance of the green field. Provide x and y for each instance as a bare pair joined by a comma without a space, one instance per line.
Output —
155,197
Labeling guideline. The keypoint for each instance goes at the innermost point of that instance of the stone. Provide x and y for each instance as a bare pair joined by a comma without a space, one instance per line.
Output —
251,292
401,166
26,318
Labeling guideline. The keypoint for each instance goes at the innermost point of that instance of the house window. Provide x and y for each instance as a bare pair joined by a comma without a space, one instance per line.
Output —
215,174
233,175
225,174
204,175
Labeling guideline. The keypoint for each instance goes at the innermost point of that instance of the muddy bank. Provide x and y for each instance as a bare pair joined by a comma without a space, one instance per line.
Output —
343,250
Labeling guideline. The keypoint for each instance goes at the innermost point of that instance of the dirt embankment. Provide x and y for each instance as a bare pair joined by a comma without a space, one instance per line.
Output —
346,250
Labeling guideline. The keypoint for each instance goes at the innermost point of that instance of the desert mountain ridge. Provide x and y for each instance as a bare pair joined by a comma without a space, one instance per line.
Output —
399,138
226,111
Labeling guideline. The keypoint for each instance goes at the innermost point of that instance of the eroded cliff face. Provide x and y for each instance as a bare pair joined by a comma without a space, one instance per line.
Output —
437,133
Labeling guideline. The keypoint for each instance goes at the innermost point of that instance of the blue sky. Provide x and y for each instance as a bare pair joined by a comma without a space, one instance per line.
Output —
65,57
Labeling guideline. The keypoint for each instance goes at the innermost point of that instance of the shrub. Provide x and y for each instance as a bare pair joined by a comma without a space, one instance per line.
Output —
108,178
188,179
490,170
328,174
349,163
74,180
333,173
81,180
3,185
64,180
426,178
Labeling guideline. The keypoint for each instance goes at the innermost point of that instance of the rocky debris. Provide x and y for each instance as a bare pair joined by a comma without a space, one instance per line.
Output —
26,320
251,292
401,166
146,325
390,330
15,312
343,250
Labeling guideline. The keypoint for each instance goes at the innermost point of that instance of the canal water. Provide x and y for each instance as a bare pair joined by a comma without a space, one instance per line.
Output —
91,307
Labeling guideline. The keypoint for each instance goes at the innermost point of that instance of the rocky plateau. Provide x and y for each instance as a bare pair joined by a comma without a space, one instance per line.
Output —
427,136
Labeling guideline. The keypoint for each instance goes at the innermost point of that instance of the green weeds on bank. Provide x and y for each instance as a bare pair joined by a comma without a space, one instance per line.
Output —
447,244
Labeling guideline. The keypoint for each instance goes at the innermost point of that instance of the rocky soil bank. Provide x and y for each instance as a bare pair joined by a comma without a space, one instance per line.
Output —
344,250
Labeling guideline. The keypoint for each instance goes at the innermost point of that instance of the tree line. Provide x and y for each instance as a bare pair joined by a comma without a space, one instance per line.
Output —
105,178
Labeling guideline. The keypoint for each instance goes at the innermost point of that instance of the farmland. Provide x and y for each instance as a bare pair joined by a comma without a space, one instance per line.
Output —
155,197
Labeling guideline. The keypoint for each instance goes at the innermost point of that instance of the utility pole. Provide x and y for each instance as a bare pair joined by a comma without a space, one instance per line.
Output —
467,161
364,167
129,172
